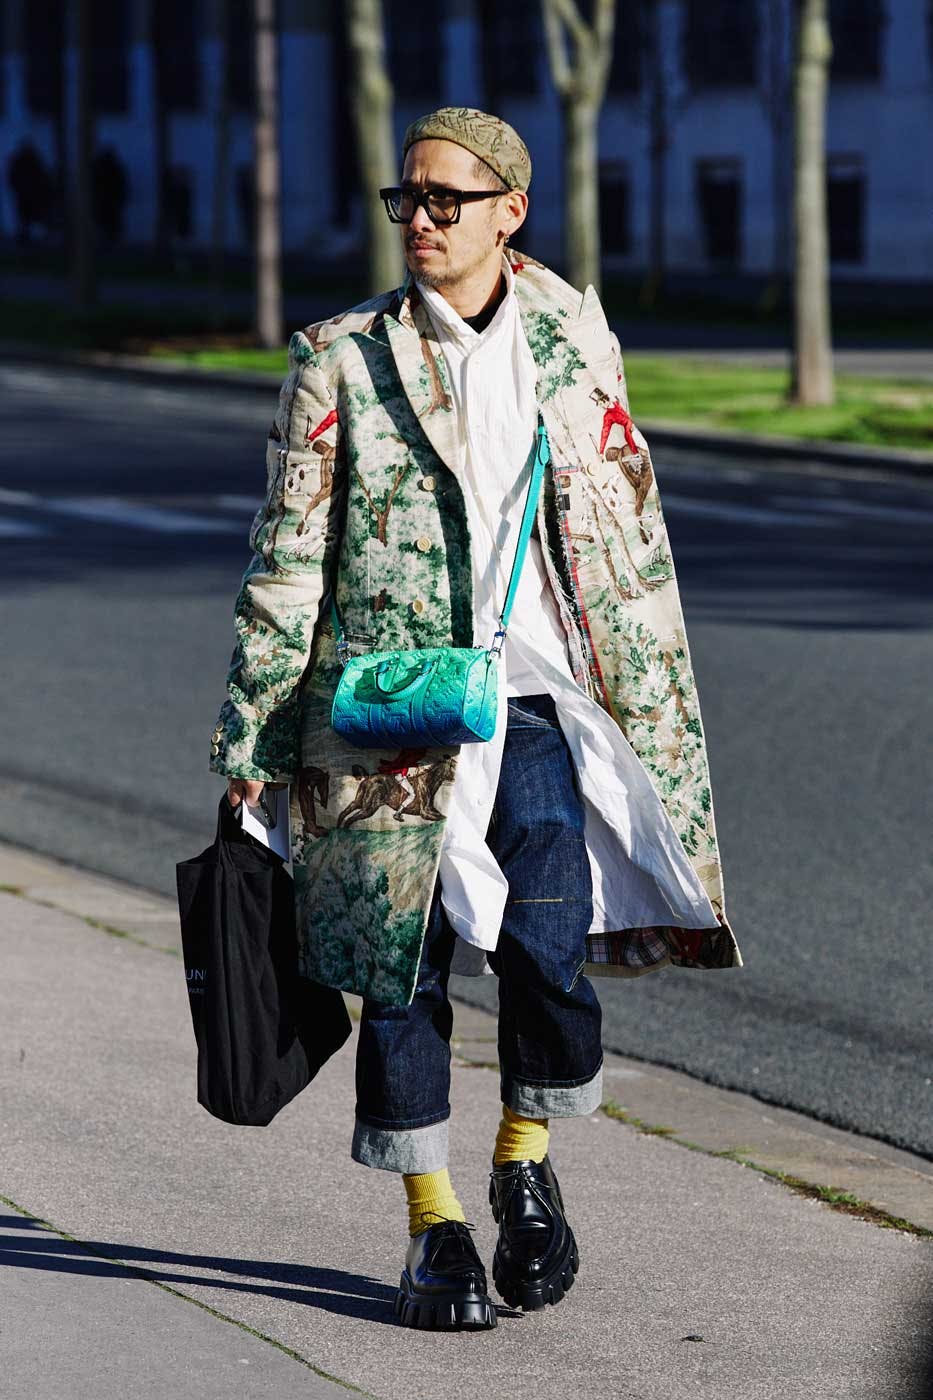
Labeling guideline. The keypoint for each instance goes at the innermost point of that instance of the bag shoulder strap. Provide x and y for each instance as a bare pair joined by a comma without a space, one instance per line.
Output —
542,457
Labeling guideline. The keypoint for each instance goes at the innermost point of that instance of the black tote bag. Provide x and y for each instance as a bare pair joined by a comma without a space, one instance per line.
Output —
262,1031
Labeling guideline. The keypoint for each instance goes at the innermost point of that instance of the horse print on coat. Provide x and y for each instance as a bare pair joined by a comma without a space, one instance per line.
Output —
381,789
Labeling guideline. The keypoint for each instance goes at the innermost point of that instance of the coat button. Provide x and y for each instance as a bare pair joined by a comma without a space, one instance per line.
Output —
424,544
215,750
428,483
217,734
592,469
417,605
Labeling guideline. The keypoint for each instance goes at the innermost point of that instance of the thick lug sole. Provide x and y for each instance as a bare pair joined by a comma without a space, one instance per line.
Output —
466,1312
550,1289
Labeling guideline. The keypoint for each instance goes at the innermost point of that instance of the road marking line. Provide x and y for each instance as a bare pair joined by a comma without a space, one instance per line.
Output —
747,515
18,498
251,503
841,506
112,510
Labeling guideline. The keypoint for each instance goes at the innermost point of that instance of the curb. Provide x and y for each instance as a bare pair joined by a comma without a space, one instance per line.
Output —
769,451
883,1184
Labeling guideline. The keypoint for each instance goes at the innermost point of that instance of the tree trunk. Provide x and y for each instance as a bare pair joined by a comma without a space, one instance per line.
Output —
220,185
812,372
657,155
268,213
777,101
371,102
82,212
579,55
581,203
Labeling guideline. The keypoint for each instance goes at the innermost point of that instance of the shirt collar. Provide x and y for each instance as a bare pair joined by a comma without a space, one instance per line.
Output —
444,316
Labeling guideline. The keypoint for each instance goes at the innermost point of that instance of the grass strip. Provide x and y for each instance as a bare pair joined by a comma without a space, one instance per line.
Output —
91,922
833,1196
699,393
751,399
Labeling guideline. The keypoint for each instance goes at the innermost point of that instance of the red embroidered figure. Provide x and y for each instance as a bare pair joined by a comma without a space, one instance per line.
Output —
322,427
617,414
406,758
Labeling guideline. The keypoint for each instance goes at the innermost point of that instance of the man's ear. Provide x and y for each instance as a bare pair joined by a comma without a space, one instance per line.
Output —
517,206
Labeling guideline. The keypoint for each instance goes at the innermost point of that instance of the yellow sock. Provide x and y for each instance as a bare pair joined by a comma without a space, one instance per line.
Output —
431,1198
520,1139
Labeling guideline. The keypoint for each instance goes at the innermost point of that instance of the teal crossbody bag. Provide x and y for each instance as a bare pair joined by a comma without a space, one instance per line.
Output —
434,695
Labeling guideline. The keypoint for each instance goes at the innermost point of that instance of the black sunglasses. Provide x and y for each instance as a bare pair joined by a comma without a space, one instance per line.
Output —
442,206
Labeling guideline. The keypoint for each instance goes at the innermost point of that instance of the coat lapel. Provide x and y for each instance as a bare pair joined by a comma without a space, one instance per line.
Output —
575,359
422,370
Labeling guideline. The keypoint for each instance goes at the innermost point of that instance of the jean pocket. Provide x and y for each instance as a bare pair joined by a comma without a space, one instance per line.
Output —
532,712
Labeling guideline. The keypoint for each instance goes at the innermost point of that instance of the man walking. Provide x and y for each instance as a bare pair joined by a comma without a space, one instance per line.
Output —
580,838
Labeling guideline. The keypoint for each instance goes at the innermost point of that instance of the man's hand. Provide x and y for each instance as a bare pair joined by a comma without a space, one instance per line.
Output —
238,788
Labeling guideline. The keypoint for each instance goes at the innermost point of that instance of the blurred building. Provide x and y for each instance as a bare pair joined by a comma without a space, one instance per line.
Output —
172,83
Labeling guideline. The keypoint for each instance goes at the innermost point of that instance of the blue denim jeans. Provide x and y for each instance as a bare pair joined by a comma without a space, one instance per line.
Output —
550,1051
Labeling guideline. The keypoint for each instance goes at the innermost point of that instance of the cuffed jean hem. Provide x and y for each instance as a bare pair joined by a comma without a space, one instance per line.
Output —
553,1100
410,1150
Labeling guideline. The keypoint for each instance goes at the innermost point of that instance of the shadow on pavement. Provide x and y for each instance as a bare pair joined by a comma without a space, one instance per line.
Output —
333,1290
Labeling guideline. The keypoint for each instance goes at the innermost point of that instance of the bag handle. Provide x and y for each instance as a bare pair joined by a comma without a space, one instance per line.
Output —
408,684
542,457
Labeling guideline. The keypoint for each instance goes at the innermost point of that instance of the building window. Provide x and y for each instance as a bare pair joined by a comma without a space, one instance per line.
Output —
240,45
109,38
245,186
178,201
176,38
856,28
347,176
845,197
628,46
719,203
414,51
513,48
720,43
614,219
44,35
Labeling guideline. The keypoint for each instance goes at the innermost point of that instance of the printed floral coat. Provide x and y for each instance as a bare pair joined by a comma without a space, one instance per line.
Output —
361,500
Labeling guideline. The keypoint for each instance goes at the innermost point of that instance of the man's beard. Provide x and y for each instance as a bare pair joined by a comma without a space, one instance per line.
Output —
445,276
434,280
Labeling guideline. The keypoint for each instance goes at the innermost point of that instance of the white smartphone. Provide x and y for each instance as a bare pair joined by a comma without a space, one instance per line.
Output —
268,821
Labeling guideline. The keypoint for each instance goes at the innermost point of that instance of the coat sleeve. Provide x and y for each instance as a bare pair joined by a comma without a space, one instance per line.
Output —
294,539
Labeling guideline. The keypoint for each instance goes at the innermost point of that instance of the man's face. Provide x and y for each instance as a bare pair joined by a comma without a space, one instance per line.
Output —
442,256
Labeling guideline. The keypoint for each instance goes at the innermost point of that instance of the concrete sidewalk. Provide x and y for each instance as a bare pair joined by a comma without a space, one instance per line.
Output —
125,1206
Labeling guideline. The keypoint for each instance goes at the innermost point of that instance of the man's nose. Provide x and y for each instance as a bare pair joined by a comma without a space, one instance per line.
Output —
420,220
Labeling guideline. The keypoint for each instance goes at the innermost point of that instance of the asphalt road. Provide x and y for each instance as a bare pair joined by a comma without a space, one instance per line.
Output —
124,512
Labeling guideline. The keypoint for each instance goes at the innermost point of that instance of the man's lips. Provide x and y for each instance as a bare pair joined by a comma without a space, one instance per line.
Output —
423,248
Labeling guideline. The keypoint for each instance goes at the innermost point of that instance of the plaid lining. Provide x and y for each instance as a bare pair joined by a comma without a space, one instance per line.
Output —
643,947
630,947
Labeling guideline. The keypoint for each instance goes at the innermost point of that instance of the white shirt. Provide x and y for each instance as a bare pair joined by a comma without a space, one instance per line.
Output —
641,874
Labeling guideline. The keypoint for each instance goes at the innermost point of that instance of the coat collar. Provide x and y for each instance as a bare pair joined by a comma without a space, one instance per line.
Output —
568,337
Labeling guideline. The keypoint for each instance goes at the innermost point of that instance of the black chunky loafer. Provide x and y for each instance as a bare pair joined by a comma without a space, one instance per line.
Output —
443,1283
536,1257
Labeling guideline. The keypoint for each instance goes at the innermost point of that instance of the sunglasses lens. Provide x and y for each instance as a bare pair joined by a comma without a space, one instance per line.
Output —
442,206
395,202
